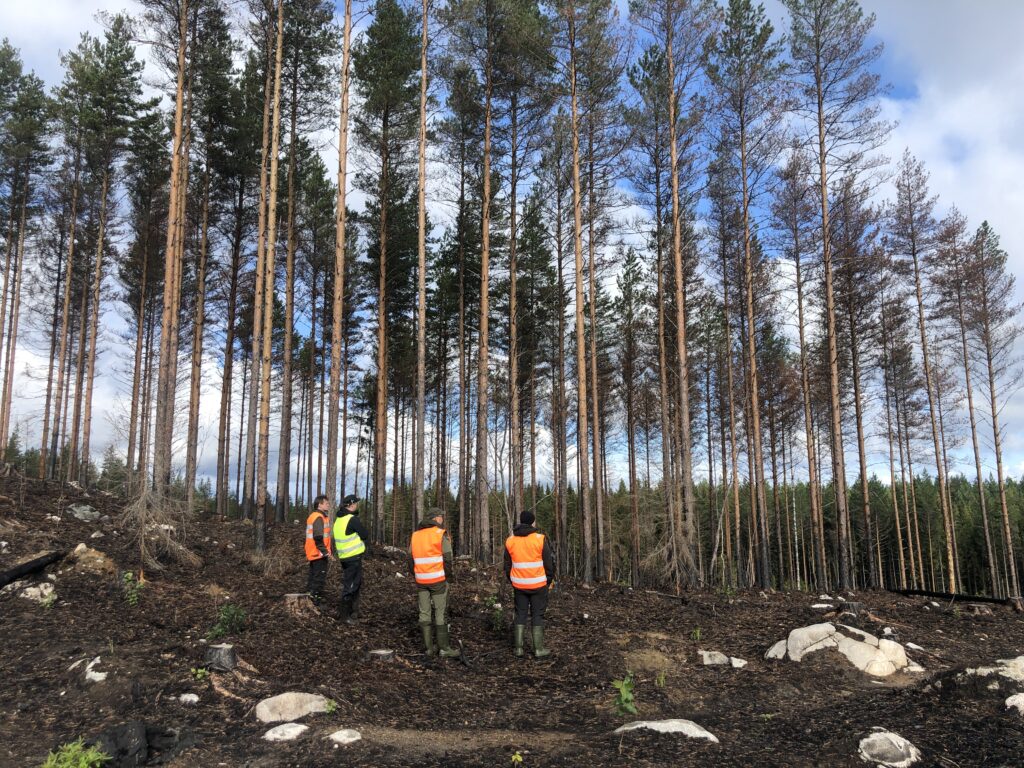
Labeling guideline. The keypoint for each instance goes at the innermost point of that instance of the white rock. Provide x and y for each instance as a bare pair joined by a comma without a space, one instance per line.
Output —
685,727
737,663
712,658
913,647
809,639
934,604
1016,702
96,535
879,658
290,706
345,736
37,593
4,546
777,651
77,664
914,668
888,749
91,676
400,576
1011,669
285,732
886,631
822,607
993,686
824,597
84,512
189,698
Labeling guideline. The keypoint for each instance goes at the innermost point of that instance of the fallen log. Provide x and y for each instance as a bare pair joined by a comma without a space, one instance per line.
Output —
952,597
25,569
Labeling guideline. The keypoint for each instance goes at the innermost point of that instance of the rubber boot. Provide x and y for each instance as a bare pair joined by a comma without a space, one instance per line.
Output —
355,608
520,632
346,611
539,651
428,639
444,648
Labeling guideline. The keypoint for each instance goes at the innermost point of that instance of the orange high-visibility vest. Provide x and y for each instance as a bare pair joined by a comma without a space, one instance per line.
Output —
312,553
527,553
427,557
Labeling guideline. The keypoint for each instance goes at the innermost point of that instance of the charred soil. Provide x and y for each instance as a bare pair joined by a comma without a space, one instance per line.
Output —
414,711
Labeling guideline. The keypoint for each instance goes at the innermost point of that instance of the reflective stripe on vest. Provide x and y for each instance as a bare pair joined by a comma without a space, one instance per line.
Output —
427,548
312,553
527,553
346,544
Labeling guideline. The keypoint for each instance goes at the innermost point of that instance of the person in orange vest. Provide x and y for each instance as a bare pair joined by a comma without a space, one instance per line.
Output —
430,559
530,567
318,547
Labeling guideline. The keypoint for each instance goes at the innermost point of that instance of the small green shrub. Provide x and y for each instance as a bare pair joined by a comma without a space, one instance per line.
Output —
625,701
132,588
76,755
200,673
660,679
497,613
332,706
517,758
49,601
695,635
230,621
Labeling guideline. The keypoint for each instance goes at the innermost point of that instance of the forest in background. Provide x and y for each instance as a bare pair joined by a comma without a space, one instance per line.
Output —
664,302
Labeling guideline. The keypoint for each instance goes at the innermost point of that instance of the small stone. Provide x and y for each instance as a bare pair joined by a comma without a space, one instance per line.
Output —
399,575
713,658
888,749
96,535
737,663
685,727
189,698
824,597
221,657
39,593
53,518
345,736
822,607
886,631
1016,702
914,668
290,706
84,512
285,732
913,647
4,546
91,676
777,651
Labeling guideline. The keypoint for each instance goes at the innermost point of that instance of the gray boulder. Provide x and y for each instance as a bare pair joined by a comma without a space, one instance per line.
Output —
888,749
84,512
285,732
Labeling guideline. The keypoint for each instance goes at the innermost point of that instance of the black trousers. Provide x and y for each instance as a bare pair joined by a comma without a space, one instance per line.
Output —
317,578
533,602
351,579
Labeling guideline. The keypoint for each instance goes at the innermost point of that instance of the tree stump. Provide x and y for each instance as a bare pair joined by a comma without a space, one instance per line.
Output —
300,605
381,654
979,609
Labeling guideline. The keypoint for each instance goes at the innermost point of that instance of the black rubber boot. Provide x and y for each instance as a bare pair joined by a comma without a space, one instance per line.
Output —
444,648
428,639
346,611
539,651
520,633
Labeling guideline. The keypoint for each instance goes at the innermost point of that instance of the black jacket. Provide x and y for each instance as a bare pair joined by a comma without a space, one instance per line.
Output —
547,556
355,525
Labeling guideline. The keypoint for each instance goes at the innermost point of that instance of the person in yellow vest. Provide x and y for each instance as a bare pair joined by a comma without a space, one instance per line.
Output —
318,547
350,537
530,567
430,558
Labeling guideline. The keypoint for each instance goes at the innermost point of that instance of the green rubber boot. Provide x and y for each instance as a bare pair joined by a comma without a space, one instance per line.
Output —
520,632
428,639
444,648
539,651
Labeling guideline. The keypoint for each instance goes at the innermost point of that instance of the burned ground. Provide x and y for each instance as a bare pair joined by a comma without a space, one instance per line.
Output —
416,712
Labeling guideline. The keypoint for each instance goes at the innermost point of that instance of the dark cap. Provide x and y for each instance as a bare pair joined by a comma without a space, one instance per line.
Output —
527,517
350,500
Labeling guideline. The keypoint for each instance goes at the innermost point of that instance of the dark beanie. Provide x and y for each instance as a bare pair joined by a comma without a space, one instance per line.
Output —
527,517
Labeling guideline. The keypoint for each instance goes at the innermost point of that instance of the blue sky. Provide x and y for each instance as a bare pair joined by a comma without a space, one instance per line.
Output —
956,68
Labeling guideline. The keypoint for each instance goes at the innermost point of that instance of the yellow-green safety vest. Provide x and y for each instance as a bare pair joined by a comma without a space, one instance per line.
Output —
346,545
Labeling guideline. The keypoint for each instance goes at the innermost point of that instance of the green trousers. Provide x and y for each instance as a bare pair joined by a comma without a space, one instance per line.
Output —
433,601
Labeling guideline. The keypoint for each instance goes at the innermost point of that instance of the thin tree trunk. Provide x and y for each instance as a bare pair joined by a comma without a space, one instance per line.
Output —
581,362
419,455
192,449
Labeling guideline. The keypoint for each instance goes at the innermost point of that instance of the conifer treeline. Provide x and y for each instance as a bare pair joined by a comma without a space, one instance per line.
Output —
636,274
